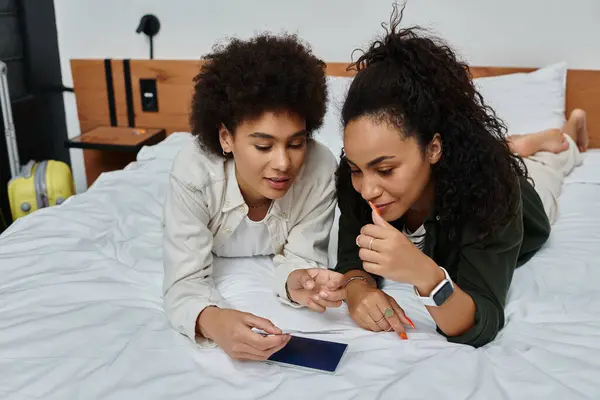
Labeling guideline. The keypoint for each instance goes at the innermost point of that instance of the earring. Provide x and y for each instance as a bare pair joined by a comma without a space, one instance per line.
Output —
225,154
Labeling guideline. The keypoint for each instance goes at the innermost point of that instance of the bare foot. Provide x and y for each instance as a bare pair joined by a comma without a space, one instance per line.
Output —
553,140
521,145
582,136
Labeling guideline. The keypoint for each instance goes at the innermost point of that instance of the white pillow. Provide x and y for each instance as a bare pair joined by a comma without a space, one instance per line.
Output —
527,102
330,133
166,149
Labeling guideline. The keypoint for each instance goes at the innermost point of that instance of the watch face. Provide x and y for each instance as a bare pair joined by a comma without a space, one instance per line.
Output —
443,293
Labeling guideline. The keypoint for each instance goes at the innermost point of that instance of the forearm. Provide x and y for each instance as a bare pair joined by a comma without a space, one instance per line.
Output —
186,299
457,314
205,318
360,273
284,267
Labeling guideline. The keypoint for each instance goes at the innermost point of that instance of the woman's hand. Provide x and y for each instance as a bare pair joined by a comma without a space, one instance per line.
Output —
374,310
232,331
387,252
316,288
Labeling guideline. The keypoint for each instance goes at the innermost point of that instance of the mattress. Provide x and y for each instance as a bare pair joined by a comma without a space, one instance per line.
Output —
81,312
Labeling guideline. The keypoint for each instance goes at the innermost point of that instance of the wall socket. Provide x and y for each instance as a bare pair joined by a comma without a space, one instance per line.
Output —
149,95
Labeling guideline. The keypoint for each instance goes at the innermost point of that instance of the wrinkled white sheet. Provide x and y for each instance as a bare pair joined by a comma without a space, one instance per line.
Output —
81,313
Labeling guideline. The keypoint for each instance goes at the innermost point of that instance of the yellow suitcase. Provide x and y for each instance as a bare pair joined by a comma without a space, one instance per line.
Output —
37,184
41,184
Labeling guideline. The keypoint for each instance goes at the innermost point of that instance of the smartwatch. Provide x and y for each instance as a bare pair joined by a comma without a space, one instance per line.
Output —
439,294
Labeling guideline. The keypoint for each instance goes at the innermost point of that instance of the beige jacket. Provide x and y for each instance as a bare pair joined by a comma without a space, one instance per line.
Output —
203,208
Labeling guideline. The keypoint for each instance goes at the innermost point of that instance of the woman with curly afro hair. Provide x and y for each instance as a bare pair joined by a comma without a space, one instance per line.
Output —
433,195
254,184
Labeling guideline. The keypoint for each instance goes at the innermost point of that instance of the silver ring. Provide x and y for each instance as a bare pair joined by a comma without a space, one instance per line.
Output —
371,244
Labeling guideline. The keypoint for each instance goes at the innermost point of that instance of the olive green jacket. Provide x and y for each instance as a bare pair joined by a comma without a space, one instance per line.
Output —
482,268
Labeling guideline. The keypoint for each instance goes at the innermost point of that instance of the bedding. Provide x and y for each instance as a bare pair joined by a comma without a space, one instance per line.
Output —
330,132
81,312
526,102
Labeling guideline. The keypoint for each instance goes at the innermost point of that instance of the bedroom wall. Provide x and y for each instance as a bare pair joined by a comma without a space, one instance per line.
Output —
487,32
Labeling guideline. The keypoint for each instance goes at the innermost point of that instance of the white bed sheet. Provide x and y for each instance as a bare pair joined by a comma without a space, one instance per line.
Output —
81,313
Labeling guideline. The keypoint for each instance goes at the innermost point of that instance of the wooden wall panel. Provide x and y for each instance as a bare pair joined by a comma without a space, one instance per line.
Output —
583,91
175,85
89,83
338,69
482,72
119,90
174,81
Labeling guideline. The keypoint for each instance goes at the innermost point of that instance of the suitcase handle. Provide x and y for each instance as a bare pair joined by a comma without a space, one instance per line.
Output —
9,126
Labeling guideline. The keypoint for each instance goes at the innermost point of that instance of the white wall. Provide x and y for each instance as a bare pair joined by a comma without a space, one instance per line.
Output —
487,32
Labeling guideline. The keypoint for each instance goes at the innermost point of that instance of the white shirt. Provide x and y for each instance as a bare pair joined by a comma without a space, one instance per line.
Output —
417,237
203,210
251,238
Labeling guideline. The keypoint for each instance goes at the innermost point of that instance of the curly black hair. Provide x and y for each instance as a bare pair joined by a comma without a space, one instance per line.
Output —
245,78
415,82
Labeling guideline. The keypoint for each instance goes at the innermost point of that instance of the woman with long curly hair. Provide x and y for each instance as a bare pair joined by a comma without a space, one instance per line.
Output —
254,184
433,194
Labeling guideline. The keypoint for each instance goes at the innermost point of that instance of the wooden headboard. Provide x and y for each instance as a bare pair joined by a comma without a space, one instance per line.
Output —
108,93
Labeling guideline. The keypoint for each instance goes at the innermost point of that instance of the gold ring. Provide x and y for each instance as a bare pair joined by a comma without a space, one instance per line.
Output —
371,244
378,321
388,313
389,329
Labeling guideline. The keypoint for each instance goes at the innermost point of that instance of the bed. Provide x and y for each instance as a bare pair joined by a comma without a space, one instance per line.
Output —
81,310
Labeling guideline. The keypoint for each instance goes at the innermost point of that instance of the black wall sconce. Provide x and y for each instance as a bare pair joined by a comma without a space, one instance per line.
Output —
149,25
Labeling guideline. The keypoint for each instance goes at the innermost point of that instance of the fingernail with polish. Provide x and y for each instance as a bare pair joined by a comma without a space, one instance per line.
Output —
374,208
403,335
412,325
